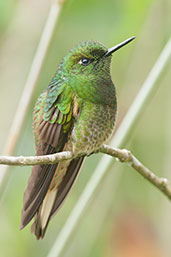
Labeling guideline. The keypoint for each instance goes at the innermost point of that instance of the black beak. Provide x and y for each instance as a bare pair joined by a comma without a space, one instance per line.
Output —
115,48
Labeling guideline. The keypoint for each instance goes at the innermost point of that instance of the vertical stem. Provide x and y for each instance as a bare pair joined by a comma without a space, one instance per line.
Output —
31,82
141,99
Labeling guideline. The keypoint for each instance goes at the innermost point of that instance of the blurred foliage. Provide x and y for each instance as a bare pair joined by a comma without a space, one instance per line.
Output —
21,23
7,9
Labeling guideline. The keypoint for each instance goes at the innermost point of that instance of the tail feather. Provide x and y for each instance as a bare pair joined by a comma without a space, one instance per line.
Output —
43,175
42,217
55,197
67,183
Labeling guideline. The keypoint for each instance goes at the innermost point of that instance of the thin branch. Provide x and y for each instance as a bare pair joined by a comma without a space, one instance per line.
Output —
126,156
123,155
119,139
35,160
31,82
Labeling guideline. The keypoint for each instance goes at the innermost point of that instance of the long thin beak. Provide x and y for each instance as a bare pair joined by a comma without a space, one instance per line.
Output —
115,48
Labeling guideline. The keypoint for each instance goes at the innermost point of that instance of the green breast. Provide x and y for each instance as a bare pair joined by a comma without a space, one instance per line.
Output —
94,126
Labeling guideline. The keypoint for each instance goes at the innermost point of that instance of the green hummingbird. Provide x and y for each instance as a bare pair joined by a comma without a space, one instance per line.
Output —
77,113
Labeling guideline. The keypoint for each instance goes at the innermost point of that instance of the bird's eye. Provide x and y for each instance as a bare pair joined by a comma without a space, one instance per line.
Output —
85,61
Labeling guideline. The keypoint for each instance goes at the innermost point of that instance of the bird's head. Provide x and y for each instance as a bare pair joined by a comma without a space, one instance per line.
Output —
90,57
86,68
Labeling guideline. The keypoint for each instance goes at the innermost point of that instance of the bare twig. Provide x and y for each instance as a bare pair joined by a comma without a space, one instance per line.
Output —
126,156
35,160
123,155
31,82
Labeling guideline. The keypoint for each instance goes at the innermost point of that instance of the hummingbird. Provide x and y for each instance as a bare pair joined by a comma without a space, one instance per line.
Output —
76,113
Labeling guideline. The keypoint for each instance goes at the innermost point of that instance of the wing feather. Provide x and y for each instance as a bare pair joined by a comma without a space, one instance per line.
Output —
50,137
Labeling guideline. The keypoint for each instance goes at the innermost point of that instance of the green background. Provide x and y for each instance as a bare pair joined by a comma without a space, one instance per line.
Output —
126,213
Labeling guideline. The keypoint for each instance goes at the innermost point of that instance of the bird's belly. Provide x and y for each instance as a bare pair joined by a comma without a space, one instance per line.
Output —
94,126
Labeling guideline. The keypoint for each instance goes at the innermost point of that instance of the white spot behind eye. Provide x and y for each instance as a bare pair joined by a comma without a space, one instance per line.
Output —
85,61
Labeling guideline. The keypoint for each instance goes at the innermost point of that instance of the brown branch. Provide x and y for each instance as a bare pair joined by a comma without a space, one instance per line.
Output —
36,160
123,155
126,156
